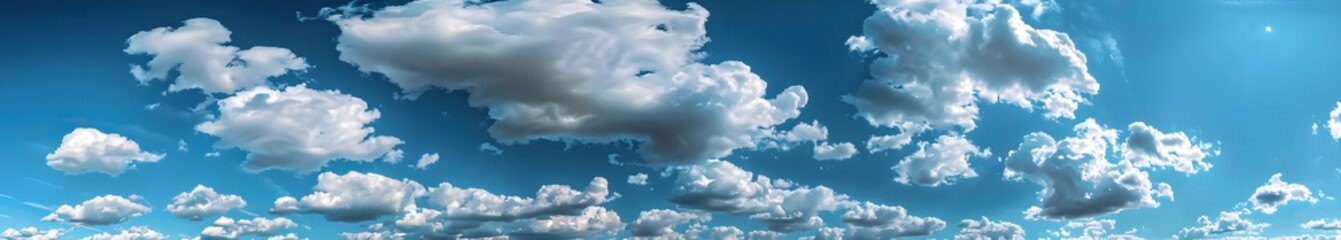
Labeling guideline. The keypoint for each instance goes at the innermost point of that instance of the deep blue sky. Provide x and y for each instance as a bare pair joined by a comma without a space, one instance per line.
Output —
1206,68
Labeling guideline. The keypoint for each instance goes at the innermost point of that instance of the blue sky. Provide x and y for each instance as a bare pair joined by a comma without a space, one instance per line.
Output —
563,87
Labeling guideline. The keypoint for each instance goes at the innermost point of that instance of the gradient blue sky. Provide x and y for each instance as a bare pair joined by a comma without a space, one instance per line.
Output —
1204,67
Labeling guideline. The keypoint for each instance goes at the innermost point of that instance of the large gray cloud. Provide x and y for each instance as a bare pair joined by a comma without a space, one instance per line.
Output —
573,70
1277,192
944,57
101,210
86,150
297,128
197,52
203,202
1078,178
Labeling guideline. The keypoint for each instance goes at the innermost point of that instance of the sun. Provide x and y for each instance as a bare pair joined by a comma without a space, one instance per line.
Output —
1268,28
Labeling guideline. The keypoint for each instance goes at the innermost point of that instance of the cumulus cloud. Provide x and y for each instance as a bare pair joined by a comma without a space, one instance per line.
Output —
1323,224
355,197
839,151
726,232
474,204
196,51
1092,229
986,229
763,235
297,128
811,132
32,233
1276,193
662,222
227,228
86,150
490,148
203,202
592,223
285,205
425,160
101,210
941,58
557,211
1148,147
1232,222
134,233
638,179
719,186
889,142
874,221
573,70
394,156
939,163
1078,179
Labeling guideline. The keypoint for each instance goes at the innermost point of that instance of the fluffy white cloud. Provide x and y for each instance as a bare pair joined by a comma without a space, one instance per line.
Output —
573,70
425,160
889,142
394,156
1148,147
372,236
285,205
1092,229
591,223
289,236
939,163
101,210
227,228
763,235
662,222
874,221
1276,193
726,233
474,204
1232,222
986,229
197,52
719,186
356,197
807,132
557,211
839,151
944,57
1323,224
1078,179
297,129
1334,122
638,179
31,233
134,233
86,150
203,202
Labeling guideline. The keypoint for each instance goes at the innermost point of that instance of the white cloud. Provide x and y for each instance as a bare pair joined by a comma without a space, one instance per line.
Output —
557,211
889,142
591,223
134,233
101,210
297,129
356,197
574,71
1276,193
1323,224
289,236
425,160
203,202
807,132
86,150
1334,122
32,233
726,233
986,229
285,205
1078,179
372,236
638,179
839,151
1148,147
939,163
952,55
474,204
394,156
227,228
1092,229
197,52
719,186
874,221
490,148
1228,223
763,235
662,222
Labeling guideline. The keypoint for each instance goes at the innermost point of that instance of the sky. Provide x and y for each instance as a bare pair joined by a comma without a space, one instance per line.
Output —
644,119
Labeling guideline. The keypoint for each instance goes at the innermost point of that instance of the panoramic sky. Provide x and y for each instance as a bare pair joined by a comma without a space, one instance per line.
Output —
644,119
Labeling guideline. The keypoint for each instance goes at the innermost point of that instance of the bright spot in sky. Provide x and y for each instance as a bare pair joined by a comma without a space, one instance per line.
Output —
1268,29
